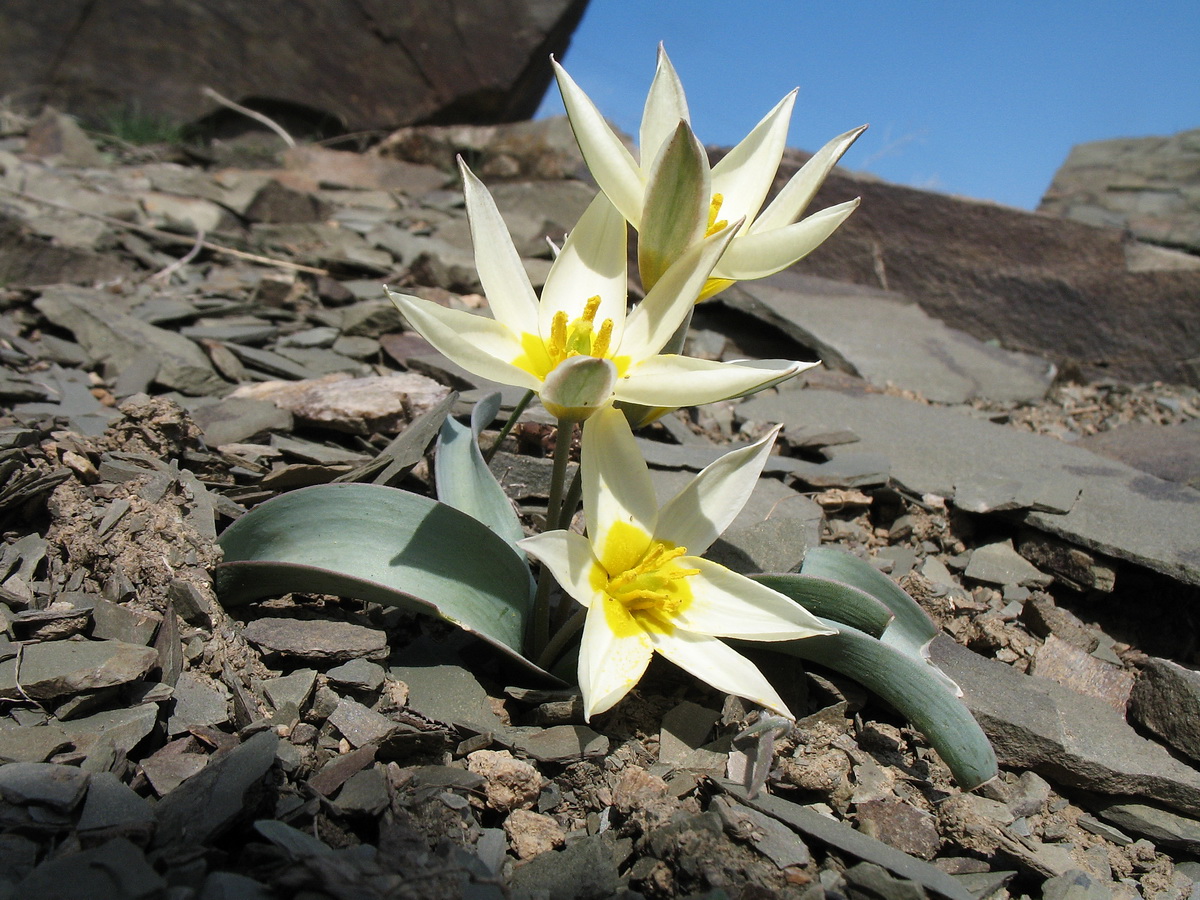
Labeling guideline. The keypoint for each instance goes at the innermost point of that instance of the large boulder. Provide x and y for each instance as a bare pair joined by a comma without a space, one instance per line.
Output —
1080,294
368,64
1150,185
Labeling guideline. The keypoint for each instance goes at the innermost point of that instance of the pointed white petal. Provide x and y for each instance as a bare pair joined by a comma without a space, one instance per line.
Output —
696,516
611,660
716,663
665,106
746,173
618,495
501,272
593,262
480,345
790,202
670,301
609,162
726,604
762,253
569,558
675,381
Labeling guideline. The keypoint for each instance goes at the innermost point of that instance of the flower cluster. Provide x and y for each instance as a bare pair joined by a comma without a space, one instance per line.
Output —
639,573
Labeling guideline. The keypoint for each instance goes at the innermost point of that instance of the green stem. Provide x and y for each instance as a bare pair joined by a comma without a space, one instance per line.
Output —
508,426
555,647
571,502
558,476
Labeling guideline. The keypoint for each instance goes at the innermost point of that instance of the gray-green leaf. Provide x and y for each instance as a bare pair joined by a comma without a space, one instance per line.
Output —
382,545
464,481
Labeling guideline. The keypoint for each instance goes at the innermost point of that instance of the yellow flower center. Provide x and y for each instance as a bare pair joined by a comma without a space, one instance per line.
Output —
581,337
651,594
714,210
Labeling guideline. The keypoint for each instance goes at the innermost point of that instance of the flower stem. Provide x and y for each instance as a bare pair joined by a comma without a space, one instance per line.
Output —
555,647
508,426
570,502
558,477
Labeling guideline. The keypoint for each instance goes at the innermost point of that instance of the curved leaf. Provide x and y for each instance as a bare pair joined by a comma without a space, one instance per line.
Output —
843,603
464,481
910,631
382,545
913,688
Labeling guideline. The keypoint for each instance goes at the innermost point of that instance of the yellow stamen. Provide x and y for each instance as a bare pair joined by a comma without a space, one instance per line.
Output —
603,339
558,337
714,209
580,337
655,586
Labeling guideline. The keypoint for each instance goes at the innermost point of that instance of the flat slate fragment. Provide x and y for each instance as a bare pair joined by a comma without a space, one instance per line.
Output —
317,639
209,802
887,339
54,669
843,837
1070,738
1121,512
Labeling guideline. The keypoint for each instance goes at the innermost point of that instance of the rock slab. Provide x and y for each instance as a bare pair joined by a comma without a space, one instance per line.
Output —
1121,511
886,339
367,65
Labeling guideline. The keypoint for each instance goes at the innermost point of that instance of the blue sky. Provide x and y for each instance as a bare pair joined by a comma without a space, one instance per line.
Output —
982,98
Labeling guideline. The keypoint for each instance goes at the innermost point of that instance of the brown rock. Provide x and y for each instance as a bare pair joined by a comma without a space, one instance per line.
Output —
1075,668
356,405
511,783
638,788
1043,618
367,65
532,833
58,138
902,826
545,149
362,171
1043,285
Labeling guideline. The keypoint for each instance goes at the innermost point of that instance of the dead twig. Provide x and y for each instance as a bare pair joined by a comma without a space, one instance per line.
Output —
164,275
256,116
167,236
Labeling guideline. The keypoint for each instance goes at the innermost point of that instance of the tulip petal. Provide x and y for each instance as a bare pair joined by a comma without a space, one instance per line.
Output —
675,381
665,106
569,558
716,663
746,172
593,262
762,253
790,202
653,321
696,516
480,345
622,509
726,604
610,163
505,282
675,216
611,660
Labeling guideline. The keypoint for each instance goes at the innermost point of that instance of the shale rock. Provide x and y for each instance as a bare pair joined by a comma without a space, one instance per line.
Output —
363,65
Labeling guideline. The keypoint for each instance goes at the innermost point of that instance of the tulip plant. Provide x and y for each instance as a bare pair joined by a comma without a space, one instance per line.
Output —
635,581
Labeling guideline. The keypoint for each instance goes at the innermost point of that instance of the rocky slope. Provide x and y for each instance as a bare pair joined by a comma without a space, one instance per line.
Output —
181,342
